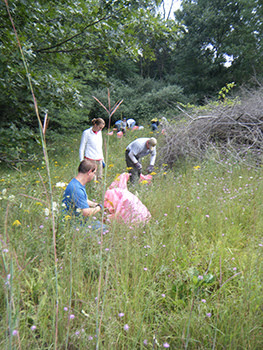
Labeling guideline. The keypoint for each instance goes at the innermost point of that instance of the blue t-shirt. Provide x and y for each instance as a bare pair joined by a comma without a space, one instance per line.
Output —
74,198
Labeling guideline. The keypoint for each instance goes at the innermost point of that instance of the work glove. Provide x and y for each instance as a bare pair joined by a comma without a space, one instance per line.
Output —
138,166
103,164
150,169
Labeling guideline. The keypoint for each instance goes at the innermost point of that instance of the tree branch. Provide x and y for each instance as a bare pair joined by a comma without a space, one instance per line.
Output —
73,36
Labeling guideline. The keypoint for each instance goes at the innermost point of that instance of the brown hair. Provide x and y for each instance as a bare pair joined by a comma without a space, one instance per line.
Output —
98,121
86,165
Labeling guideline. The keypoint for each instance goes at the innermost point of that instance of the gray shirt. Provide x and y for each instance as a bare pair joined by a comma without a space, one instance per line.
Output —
138,149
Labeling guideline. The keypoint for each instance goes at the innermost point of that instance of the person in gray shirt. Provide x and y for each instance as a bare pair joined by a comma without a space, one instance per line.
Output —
135,151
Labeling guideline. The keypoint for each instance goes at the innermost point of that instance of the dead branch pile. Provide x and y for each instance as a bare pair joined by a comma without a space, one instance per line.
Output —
235,127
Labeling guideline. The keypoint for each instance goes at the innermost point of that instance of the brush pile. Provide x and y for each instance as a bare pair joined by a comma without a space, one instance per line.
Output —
232,126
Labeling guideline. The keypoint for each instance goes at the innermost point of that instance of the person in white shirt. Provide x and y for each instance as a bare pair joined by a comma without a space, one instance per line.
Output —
91,146
135,151
130,123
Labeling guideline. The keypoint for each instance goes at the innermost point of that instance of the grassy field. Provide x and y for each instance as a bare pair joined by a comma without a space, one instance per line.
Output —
191,278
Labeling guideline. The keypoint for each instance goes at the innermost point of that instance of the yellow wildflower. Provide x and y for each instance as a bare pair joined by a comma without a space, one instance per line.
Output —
67,217
38,203
153,173
197,167
111,165
143,182
16,223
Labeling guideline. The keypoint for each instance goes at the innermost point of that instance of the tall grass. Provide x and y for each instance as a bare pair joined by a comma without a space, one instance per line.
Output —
189,279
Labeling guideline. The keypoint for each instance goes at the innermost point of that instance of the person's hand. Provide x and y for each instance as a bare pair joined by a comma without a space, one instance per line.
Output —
103,164
138,166
150,169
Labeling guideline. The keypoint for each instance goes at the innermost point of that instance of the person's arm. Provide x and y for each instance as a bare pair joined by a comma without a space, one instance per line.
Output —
132,157
82,146
91,211
153,156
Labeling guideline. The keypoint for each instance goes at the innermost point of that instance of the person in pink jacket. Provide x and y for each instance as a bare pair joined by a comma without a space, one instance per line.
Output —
91,146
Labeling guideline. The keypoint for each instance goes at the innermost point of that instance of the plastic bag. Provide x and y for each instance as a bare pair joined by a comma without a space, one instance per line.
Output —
124,205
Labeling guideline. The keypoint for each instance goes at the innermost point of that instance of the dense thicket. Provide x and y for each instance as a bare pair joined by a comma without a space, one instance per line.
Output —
76,49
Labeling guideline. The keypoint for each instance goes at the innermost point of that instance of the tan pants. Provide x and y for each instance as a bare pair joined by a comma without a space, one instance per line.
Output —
98,173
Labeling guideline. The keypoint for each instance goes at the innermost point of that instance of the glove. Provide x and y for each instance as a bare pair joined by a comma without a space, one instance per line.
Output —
103,164
150,169
138,166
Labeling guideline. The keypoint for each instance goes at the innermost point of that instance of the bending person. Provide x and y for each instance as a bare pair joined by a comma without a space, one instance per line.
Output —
91,146
135,151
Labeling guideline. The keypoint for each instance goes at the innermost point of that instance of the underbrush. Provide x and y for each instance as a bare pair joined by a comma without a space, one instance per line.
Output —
189,279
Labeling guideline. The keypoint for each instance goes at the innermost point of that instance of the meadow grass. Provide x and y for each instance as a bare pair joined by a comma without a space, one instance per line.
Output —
191,278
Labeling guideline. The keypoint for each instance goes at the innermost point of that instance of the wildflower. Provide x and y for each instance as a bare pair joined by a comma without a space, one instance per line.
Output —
144,182
163,295
65,308
203,301
121,314
207,216
234,268
33,328
77,333
67,217
166,345
16,223
197,167
209,314
200,277
61,184
153,173
145,268
165,214
260,245
15,332
38,203
90,337
145,342
5,250
126,327
72,317
41,226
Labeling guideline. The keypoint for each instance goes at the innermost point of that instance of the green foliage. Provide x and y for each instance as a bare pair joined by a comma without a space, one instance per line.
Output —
225,91
19,145
213,31
143,99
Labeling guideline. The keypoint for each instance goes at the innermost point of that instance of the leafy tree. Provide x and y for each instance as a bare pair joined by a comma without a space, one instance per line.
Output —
215,30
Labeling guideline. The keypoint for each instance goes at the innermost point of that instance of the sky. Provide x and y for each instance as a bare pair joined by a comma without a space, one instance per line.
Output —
167,4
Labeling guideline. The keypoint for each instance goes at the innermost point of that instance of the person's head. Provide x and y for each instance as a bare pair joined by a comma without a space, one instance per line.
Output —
98,124
151,143
88,168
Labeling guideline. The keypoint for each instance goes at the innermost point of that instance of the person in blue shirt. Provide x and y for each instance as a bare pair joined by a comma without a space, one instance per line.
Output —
75,202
